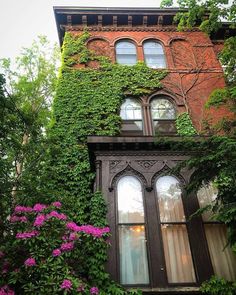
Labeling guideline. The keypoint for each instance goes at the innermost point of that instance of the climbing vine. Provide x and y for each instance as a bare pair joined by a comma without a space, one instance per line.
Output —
184,125
87,103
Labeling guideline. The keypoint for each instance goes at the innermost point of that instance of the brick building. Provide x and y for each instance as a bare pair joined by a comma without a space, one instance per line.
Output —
153,245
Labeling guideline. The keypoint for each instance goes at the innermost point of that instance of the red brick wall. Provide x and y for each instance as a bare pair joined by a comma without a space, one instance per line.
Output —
191,58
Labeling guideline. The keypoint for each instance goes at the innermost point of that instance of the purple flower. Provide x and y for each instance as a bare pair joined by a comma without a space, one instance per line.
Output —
39,207
80,288
15,218
67,246
72,226
94,290
6,291
73,236
1,254
23,209
27,235
56,204
57,215
66,284
30,262
39,220
56,252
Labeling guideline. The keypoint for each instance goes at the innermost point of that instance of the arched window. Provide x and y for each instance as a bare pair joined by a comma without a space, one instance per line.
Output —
126,53
178,258
154,55
131,227
222,258
131,115
163,115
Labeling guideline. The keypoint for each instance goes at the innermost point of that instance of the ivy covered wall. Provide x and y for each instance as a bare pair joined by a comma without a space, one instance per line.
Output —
87,103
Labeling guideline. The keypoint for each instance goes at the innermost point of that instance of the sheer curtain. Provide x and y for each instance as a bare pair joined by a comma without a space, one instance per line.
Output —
222,258
178,258
132,241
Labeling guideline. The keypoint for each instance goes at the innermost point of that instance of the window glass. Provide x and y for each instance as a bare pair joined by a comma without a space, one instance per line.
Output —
154,55
178,258
126,53
222,258
131,226
162,109
131,111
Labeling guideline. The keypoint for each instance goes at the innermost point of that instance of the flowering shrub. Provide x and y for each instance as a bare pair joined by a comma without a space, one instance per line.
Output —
45,253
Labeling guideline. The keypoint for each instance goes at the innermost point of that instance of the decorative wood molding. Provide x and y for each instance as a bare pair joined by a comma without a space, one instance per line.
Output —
127,171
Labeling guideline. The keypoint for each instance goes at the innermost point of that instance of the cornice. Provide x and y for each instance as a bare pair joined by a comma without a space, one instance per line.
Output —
126,29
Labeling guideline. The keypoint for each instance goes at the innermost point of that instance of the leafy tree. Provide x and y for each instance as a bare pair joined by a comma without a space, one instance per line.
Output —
25,99
214,159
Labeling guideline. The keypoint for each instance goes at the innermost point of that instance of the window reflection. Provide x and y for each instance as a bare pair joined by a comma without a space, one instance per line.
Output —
162,109
126,53
154,55
132,241
178,258
169,199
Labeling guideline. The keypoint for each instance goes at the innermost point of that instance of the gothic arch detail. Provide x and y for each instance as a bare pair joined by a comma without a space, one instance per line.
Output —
164,171
127,171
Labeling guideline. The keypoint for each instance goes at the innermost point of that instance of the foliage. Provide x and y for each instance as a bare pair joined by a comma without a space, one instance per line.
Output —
209,16
87,102
184,125
43,245
218,286
25,112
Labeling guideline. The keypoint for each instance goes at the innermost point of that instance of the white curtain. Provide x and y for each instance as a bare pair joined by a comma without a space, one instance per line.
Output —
133,255
178,258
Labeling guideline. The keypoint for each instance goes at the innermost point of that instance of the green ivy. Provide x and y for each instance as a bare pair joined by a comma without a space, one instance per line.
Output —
184,125
87,103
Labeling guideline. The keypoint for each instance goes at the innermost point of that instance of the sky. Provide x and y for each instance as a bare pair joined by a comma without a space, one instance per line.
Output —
21,21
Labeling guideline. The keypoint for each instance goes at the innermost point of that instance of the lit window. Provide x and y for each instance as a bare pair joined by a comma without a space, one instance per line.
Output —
131,115
154,55
178,258
131,227
222,258
126,53
163,115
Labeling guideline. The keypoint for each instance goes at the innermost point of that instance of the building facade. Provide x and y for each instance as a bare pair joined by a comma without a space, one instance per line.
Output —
154,244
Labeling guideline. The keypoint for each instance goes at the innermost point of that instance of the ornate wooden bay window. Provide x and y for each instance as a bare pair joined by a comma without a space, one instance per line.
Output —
154,244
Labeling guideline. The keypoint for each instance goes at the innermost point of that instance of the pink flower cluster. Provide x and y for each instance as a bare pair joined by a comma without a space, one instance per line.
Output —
66,284
94,290
30,262
56,204
23,209
57,215
67,246
56,252
39,220
39,207
15,218
80,288
27,235
88,229
5,290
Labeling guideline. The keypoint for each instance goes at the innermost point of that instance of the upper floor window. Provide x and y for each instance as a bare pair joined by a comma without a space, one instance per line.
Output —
163,115
126,53
131,115
154,55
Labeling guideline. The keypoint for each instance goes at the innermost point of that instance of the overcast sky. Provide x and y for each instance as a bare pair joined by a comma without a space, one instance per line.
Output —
21,21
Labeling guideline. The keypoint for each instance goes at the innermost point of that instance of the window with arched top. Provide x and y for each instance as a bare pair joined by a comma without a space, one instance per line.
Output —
163,115
131,115
178,258
154,55
126,53
131,227
222,258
